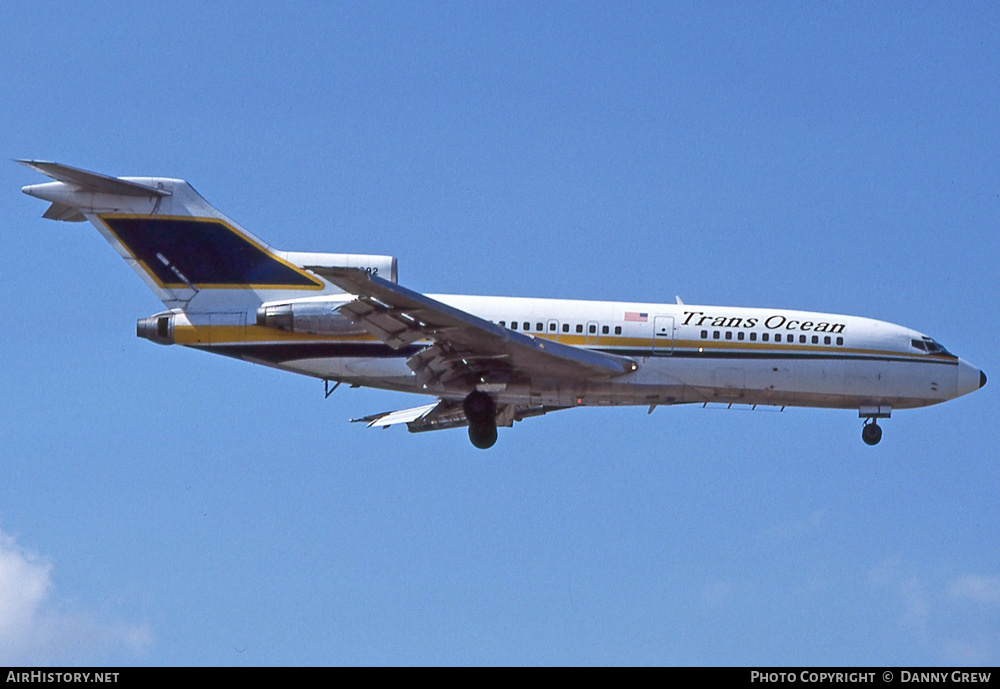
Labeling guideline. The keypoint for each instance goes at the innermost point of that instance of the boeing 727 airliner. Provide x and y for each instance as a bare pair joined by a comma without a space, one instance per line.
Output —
488,361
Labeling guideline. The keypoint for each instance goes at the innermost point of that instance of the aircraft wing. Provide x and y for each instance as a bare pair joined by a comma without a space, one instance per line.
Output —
448,414
466,350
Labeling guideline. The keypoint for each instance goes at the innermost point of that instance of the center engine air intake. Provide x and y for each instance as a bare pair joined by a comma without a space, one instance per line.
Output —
158,328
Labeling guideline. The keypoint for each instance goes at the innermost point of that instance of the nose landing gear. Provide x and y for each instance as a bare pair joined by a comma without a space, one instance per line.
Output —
481,412
871,432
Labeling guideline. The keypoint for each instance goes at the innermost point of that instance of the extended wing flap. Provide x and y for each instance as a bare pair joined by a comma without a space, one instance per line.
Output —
463,344
392,326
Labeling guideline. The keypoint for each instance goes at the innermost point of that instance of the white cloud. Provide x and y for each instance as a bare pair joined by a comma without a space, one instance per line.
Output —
935,609
916,604
717,593
912,592
976,587
35,628
797,529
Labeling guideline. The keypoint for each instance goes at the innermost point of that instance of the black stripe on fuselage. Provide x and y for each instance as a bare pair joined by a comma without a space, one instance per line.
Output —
812,356
278,353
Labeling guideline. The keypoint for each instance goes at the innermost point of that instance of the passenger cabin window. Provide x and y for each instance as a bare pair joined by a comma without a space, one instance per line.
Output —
840,340
753,337
740,335
715,334
565,327
579,328
513,325
802,339
729,334
604,330
539,327
704,334
503,324
527,325
552,327
618,330
592,329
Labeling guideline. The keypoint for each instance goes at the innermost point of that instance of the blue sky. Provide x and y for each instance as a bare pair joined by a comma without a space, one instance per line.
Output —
162,506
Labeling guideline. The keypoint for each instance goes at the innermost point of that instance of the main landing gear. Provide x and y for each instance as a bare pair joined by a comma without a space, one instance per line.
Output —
481,412
871,432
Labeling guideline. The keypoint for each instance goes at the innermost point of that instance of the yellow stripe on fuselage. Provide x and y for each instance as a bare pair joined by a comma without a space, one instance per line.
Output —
255,334
252,334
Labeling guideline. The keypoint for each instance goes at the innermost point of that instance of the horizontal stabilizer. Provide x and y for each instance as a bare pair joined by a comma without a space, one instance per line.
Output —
448,413
60,211
92,181
394,417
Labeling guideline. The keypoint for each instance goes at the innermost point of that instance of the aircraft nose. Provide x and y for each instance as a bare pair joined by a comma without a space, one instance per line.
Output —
970,378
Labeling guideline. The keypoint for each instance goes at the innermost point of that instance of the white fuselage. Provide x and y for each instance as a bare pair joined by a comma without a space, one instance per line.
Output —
685,354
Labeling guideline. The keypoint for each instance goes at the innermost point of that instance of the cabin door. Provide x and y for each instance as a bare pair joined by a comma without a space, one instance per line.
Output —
663,335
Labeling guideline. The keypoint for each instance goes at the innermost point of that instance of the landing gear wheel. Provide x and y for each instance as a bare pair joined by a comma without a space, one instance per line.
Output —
871,432
479,407
483,435
481,412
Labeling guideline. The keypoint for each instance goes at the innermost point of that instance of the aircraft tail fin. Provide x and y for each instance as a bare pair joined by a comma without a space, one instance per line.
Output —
191,255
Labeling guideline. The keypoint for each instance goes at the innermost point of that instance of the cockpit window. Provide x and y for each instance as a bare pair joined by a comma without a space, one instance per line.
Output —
926,344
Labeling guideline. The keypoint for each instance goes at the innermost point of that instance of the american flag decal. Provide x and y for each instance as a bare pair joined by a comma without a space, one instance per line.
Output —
636,317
